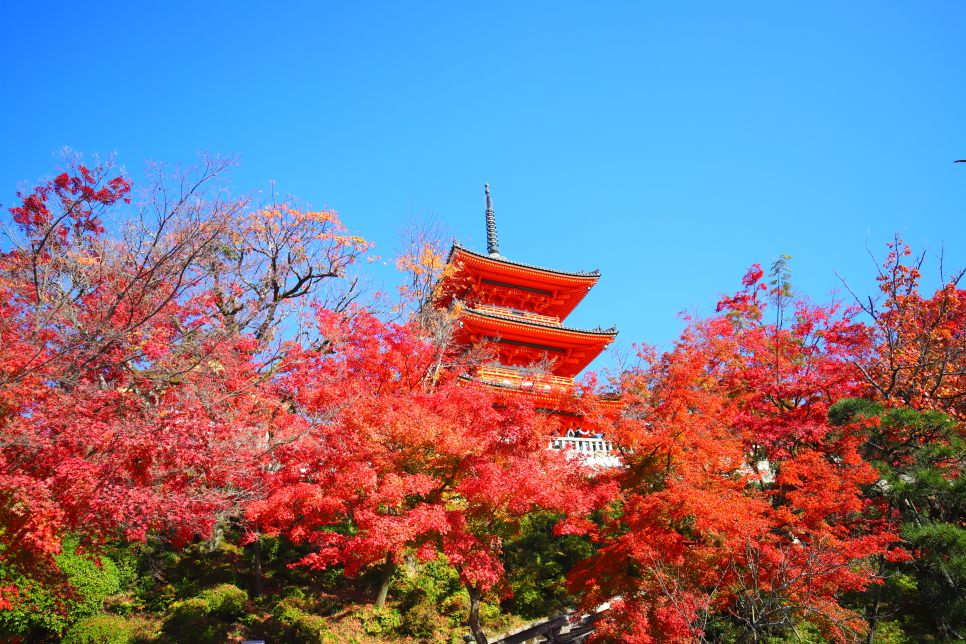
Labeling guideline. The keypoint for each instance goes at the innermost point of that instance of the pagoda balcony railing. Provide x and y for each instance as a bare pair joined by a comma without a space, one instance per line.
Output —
517,313
595,451
592,445
523,379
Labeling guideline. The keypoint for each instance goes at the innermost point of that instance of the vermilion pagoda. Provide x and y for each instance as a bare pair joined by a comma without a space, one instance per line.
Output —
519,310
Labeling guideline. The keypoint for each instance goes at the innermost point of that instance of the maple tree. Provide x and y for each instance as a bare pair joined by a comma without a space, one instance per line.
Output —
820,508
913,364
738,500
403,458
916,346
199,359
136,372
420,256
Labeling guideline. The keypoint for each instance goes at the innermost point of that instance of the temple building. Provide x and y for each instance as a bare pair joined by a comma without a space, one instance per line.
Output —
519,311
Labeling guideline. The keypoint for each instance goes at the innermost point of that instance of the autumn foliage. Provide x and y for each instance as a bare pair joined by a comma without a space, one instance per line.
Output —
178,360
745,512
737,501
137,363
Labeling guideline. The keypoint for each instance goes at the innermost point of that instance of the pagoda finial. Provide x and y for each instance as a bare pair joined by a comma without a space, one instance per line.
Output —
492,243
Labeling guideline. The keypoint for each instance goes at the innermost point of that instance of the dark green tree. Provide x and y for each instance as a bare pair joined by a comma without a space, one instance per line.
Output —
537,562
921,456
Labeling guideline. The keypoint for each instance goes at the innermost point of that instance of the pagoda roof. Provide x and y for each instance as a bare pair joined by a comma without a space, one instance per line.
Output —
551,402
609,332
457,247
547,291
576,347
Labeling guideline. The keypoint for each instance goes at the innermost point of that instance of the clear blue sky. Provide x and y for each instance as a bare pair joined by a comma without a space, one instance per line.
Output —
668,144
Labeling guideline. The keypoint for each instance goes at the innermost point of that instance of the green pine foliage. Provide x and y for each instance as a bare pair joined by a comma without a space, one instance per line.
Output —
920,456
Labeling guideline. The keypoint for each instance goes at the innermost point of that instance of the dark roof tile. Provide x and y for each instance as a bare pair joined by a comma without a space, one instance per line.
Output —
457,246
598,331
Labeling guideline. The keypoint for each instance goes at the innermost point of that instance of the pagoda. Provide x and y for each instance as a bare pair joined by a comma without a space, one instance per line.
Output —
518,310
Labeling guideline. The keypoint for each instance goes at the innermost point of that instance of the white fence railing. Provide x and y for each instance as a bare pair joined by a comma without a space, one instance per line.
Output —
595,451
589,444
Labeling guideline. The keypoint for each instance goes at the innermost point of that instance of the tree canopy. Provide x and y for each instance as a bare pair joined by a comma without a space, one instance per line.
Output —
180,366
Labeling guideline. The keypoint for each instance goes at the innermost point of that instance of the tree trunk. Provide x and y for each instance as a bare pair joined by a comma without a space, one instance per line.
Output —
388,569
217,534
257,555
474,621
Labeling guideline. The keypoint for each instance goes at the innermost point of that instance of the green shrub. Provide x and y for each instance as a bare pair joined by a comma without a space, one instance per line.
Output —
94,579
205,612
204,631
309,629
193,620
186,611
301,627
378,620
433,582
199,630
289,610
225,601
490,613
424,621
74,589
432,601
122,604
100,629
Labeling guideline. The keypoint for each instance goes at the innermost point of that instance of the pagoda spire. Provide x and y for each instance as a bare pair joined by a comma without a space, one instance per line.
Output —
492,243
